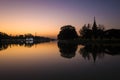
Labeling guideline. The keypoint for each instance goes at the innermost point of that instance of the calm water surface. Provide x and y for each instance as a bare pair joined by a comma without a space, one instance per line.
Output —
53,61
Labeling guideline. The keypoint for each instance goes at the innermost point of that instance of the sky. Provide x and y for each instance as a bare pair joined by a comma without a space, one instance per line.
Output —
45,17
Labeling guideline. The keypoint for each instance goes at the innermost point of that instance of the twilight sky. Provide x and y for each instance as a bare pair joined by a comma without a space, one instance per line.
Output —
45,17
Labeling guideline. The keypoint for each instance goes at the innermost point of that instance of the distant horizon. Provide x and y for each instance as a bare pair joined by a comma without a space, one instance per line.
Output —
51,36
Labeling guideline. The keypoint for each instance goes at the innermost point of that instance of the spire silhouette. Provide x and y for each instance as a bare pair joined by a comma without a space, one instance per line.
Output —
94,25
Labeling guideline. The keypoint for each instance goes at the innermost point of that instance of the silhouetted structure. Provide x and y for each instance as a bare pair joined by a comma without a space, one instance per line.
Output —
67,32
112,34
94,29
67,49
94,32
98,32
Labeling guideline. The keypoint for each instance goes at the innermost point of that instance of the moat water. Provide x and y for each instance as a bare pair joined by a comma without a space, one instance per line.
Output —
55,61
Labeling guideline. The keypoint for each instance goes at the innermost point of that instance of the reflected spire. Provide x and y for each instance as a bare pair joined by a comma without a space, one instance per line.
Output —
94,55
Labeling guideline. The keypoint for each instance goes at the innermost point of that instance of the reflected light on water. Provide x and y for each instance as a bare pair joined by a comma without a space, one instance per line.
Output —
24,57
54,60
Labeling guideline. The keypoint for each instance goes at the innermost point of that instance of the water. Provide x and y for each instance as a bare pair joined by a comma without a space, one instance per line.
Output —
55,61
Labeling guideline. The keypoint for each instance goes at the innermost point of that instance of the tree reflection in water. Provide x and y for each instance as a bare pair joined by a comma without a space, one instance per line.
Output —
4,46
89,51
67,49
92,51
99,50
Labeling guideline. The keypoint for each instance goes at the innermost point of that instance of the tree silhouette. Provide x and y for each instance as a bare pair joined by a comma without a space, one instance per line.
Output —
100,32
3,35
94,32
67,32
86,32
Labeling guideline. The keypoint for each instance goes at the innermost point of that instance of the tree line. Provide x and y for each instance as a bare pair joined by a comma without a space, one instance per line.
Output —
4,37
88,32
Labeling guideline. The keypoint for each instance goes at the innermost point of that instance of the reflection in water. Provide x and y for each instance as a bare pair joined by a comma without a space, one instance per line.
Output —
67,50
43,62
98,51
89,51
93,51
4,46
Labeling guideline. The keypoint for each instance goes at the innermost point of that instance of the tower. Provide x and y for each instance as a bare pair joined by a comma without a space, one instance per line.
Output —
94,27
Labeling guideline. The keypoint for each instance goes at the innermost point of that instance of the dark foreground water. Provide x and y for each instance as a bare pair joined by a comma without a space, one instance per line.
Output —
55,61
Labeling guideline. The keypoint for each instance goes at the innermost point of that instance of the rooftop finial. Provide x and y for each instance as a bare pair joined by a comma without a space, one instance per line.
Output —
94,24
94,19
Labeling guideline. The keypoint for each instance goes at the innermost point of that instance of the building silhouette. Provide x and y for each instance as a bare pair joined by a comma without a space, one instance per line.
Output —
94,27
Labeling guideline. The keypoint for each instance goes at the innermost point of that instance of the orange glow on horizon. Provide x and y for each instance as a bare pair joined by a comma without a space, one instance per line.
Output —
45,18
35,28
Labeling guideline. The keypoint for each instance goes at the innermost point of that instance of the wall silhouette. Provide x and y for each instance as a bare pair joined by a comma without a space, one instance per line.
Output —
112,34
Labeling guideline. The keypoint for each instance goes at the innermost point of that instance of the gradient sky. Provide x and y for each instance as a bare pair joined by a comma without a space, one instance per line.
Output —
45,17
